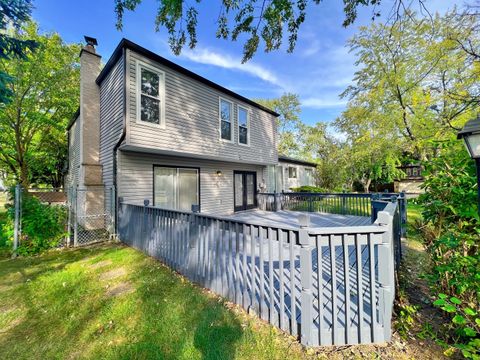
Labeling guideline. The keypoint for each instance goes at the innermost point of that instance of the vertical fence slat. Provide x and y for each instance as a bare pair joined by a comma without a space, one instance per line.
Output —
263,305
281,278
293,305
270,277
333,274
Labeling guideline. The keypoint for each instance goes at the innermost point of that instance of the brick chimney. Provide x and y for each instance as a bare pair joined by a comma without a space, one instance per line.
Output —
90,114
90,196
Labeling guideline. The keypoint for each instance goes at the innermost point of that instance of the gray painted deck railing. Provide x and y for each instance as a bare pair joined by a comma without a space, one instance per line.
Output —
325,285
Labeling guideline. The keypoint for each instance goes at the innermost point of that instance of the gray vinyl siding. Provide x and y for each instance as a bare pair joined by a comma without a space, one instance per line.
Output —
192,121
135,179
301,178
74,155
112,90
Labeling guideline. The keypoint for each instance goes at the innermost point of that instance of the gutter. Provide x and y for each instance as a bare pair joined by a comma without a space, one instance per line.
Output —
119,142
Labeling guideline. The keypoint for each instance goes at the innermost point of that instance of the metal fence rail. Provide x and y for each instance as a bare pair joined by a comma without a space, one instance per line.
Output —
334,203
325,285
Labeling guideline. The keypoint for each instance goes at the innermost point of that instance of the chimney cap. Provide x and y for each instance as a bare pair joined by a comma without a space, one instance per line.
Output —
91,40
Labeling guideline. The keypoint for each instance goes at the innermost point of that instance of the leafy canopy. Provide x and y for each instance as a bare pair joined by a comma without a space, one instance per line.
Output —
13,13
270,21
44,96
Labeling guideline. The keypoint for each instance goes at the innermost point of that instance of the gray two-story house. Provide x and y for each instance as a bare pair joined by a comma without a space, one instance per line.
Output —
154,130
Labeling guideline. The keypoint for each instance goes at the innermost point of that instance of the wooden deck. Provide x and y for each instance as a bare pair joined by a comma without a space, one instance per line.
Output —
290,218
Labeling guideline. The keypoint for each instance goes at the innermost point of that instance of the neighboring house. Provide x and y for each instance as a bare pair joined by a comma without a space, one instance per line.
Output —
294,173
412,180
154,130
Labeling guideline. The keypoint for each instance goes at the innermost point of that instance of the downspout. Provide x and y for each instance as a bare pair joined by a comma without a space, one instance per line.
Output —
120,140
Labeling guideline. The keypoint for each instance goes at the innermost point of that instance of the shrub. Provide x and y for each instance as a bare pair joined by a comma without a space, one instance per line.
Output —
43,225
451,238
309,189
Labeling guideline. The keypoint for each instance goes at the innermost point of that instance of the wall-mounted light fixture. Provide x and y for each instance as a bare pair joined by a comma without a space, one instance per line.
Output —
219,173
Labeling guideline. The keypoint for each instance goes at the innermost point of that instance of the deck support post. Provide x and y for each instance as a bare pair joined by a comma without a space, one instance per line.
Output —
386,276
192,243
306,271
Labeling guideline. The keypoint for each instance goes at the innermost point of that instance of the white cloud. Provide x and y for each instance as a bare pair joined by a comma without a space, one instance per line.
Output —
321,103
205,56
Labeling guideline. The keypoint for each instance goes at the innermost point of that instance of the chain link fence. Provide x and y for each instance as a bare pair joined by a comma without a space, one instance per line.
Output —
90,216
88,213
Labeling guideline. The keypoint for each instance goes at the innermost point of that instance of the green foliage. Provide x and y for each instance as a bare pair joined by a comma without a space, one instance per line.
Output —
465,325
405,319
288,123
451,238
43,225
13,13
309,189
45,94
254,20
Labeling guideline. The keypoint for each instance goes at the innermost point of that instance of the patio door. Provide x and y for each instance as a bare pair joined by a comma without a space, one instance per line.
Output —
245,190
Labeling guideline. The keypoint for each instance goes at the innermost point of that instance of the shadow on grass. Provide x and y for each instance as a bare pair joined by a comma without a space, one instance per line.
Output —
177,320
66,311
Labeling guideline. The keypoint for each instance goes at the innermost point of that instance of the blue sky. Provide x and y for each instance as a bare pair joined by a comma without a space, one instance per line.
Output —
319,70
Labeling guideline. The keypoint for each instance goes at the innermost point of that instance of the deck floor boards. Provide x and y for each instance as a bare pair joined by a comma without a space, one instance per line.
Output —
290,218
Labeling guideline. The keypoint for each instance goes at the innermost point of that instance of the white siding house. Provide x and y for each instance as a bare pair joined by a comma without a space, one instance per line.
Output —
293,173
167,135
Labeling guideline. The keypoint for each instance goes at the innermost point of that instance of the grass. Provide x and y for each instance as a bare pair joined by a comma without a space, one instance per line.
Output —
113,302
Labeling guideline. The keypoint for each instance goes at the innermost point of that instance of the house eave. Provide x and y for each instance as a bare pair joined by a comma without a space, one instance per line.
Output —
73,119
290,160
127,44
145,150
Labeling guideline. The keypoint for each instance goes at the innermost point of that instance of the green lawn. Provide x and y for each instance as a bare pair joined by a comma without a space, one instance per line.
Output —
112,302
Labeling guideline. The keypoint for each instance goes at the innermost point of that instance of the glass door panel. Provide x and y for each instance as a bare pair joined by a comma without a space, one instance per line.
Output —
187,189
250,184
238,190
165,194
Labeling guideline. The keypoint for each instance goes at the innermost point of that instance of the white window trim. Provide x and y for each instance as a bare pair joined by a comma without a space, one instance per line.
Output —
232,121
296,172
161,89
238,125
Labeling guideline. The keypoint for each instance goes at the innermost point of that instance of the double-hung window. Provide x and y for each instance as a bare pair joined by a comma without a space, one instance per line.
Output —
150,95
243,126
226,118
176,188
292,172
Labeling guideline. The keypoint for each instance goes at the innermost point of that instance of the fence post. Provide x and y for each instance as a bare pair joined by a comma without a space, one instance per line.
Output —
306,270
75,217
274,201
16,229
192,243
344,205
144,225
386,276
403,212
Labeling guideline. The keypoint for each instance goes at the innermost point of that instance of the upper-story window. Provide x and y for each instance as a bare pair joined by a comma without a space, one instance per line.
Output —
243,126
150,95
226,120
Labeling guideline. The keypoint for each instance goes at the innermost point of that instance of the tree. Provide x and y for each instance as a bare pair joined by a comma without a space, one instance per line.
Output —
45,94
13,13
288,123
373,152
409,74
270,21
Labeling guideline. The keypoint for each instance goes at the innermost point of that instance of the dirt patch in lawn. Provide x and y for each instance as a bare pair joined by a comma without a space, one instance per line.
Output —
113,274
100,264
120,289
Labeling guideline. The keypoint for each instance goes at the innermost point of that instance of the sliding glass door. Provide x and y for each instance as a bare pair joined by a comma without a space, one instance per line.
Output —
175,188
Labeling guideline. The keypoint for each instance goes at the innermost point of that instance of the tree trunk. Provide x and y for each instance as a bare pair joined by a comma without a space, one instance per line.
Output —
366,186
24,181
